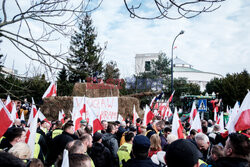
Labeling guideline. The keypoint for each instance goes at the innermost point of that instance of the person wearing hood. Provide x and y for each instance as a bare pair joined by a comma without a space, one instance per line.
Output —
99,153
109,140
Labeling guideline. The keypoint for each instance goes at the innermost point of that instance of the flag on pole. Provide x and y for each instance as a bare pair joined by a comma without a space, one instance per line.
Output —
5,119
242,121
94,121
51,91
61,116
192,113
215,115
14,113
148,116
177,128
22,116
120,118
31,134
135,116
220,122
8,104
42,117
196,123
33,112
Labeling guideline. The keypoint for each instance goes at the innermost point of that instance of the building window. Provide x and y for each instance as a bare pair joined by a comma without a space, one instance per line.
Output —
147,65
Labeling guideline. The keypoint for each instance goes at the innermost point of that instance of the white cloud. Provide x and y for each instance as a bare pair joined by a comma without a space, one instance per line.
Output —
214,42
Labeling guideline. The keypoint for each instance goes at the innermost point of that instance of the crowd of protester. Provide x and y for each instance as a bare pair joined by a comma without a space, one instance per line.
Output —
123,144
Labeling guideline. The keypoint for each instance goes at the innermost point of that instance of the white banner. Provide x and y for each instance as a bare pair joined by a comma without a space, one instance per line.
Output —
104,108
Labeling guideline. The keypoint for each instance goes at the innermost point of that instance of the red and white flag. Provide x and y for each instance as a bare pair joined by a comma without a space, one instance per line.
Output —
220,122
192,113
171,97
231,123
236,106
61,116
8,104
177,128
42,117
22,116
76,119
31,134
242,120
5,119
135,116
120,118
94,121
215,114
196,123
14,113
152,102
148,116
51,91
65,161
33,112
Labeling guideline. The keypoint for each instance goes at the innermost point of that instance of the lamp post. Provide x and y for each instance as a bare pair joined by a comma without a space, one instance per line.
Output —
172,72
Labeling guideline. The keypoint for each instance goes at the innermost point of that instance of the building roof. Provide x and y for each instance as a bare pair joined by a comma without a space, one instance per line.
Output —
185,69
180,61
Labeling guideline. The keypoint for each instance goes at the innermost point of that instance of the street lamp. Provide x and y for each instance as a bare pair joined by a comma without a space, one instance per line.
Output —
172,74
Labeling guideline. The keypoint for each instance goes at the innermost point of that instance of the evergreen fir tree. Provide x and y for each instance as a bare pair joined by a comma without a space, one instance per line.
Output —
62,75
85,55
111,71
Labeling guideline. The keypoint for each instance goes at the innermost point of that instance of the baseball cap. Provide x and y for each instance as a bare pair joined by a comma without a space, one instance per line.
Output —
141,143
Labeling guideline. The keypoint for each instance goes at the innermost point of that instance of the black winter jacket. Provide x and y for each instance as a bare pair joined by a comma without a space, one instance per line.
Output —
231,162
140,163
100,155
57,146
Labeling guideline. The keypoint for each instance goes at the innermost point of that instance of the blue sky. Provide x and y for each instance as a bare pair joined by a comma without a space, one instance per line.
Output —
213,42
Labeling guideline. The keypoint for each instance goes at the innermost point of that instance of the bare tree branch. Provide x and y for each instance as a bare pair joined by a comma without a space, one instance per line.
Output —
52,17
177,8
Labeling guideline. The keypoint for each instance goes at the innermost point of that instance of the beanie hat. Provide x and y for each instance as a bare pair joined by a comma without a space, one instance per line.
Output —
97,136
141,144
180,153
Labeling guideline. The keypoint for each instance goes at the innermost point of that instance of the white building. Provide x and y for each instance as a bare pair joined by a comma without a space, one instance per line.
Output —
181,69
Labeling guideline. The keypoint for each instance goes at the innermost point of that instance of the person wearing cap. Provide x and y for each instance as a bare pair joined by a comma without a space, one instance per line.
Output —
99,153
183,153
140,150
79,132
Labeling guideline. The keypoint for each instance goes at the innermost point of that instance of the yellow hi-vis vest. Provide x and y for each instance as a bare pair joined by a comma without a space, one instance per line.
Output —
124,153
1,138
37,146
56,132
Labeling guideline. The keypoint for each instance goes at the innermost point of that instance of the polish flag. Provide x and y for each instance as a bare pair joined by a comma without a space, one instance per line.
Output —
5,119
94,121
237,106
14,113
120,118
192,113
171,97
242,119
162,108
196,123
148,116
61,116
42,117
215,114
220,122
22,116
33,112
168,113
152,102
8,104
31,134
177,128
230,124
65,161
76,119
135,116
51,91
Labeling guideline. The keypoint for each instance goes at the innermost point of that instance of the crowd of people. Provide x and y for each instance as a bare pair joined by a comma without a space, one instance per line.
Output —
123,144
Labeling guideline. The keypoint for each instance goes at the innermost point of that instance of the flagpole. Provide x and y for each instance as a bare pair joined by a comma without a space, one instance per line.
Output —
172,82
